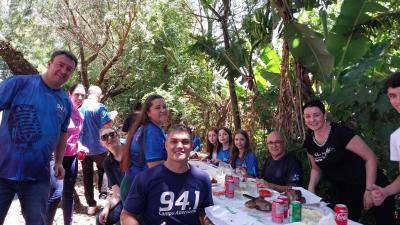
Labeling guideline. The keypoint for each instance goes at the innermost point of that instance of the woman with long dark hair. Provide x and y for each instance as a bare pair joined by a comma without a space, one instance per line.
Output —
144,147
65,188
212,144
225,140
242,155
347,162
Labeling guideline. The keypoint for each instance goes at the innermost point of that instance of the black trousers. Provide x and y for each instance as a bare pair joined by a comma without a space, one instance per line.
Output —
87,169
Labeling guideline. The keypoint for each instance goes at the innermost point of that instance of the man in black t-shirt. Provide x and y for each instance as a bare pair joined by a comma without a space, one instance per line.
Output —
109,138
281,169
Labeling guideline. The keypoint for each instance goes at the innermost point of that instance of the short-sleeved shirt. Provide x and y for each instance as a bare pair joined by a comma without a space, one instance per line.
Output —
151,138
74,128
395,146
224,155
160,195
341,166
113,171
34,115
284,171
249,162
196,143
95,117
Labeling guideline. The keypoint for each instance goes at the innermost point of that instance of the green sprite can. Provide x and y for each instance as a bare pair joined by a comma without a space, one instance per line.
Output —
294,211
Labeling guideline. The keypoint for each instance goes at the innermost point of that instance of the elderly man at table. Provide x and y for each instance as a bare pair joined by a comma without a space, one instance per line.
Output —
281,169
173,192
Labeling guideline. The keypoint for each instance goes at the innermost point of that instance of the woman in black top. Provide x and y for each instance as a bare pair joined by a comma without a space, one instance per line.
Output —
346,161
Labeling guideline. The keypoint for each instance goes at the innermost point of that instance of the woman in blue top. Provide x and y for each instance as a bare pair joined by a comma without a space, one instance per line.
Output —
242,156
144,147
225,139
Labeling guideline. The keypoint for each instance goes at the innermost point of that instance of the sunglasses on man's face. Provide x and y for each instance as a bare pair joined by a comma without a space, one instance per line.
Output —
105,137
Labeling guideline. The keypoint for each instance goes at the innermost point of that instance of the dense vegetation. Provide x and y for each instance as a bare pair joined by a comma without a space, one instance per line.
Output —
242,64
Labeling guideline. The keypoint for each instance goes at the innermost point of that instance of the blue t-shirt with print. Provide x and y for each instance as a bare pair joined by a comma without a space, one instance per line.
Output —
250,163
223,155
95,117
34,115
152,142
160,195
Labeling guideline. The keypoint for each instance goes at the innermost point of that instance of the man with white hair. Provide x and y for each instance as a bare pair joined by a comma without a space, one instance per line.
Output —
95,117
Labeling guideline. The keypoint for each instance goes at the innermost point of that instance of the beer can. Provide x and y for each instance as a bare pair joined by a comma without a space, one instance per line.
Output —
295,211
341,214
285,199
278,211
229,186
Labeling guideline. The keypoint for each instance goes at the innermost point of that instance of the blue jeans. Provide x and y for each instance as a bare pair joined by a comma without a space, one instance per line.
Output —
32,197
62,188
113,215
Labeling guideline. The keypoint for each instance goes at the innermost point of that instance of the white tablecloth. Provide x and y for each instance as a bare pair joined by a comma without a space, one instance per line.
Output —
232,211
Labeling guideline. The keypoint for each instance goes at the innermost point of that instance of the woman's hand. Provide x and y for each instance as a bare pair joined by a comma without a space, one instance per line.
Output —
103,215
368,201
378,195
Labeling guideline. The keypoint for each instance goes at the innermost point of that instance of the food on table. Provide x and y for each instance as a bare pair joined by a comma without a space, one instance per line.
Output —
294,195
194,157
264,193
259,204
214,181
261,184
310,216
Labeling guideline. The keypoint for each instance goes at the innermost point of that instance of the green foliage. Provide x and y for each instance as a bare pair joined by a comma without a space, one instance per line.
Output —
307,46
347,41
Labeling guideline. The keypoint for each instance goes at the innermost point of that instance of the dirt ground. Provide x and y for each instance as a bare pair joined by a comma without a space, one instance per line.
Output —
14,216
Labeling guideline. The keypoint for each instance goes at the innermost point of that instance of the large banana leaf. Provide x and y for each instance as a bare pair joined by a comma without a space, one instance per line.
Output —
346,41
308,47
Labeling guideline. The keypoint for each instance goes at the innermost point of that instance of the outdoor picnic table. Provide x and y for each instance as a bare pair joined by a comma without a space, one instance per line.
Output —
232,211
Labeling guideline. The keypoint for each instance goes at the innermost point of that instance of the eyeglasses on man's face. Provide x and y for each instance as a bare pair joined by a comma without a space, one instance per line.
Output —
278,142
105,137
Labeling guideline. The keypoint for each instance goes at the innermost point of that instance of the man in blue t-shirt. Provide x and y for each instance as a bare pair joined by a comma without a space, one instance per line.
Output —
36,114
173,192
95,117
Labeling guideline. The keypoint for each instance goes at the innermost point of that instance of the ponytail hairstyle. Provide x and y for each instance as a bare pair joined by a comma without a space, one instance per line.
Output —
143,119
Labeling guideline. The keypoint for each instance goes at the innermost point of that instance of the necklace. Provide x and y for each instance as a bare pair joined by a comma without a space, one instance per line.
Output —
326,139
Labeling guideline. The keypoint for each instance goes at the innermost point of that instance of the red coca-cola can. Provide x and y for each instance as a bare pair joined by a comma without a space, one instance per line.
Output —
278,211
81,155
285,200
229,186
341,214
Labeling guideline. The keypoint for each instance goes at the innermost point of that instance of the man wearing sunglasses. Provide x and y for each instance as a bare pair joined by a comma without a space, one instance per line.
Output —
281,169
109,138
95,116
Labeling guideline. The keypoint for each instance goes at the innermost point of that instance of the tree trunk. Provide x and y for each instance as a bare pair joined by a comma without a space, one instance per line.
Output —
15,60
234,103
230,76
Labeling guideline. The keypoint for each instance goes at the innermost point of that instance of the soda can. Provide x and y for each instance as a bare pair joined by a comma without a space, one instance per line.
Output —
285,199
295,211
278,211
341,214
81,155
229,186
